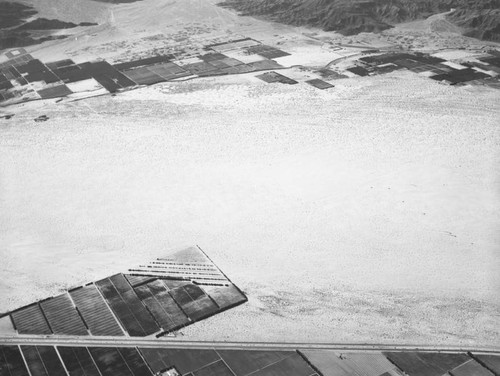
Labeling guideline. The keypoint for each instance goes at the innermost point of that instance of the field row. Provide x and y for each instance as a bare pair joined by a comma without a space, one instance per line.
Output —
132,361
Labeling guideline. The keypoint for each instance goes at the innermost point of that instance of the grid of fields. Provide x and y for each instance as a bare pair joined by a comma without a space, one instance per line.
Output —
147,361
156,298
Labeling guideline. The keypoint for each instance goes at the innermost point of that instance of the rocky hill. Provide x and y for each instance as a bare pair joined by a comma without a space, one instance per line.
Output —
479,17
479,23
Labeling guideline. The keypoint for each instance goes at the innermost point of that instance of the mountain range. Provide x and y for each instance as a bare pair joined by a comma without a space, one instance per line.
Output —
477,18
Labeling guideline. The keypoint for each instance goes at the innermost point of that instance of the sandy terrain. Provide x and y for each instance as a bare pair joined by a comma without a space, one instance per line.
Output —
368,212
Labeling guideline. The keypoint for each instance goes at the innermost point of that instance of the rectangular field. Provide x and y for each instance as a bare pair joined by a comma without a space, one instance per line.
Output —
425,364
43,361
109,361
294,365
360,71
62,316
136,280
272,77
329,364
127,307
185,360
30,320
319,84
194,302
143,62
78,361
200,68
163,307
225,296
471,368
143,76
215,369
264,65
95,312
134,361
490,361
244,362
11,362
54,92
169,71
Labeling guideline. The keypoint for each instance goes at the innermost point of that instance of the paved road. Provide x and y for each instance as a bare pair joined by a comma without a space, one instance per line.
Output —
176,343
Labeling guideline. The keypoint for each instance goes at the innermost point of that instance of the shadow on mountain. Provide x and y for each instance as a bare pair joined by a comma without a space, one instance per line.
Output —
16,31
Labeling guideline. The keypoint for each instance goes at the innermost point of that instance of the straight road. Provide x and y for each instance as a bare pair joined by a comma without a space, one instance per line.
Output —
166,342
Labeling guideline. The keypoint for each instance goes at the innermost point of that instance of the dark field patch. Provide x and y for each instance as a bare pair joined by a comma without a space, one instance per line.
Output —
329,74
264,65
492,362
471,368
95,312
244,362
62,316
319,84
109,361
143,76
169,71
208,58
30,320
239,69
214,369
43,361
11,362
136,280
360,71
194,302
109,77
443,360
5,85
426,364
78,361
199,68
493,60
31,66
271,77
387,68
218,64
127,307
386,58
184,361
460,76
294,365
231,62
273,54
54,92
144,62
162,306
328,363
225,296
266,51
173,283
134,361
60,63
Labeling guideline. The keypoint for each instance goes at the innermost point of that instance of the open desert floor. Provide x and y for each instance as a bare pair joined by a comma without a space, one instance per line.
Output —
368,212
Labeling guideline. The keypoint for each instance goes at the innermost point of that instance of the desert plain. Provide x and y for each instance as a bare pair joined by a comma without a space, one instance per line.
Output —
369,212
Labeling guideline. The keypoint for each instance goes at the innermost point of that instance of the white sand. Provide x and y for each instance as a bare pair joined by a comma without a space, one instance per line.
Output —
368,212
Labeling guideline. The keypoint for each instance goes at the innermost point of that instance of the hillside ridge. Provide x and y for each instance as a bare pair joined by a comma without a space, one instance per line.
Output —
478,18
